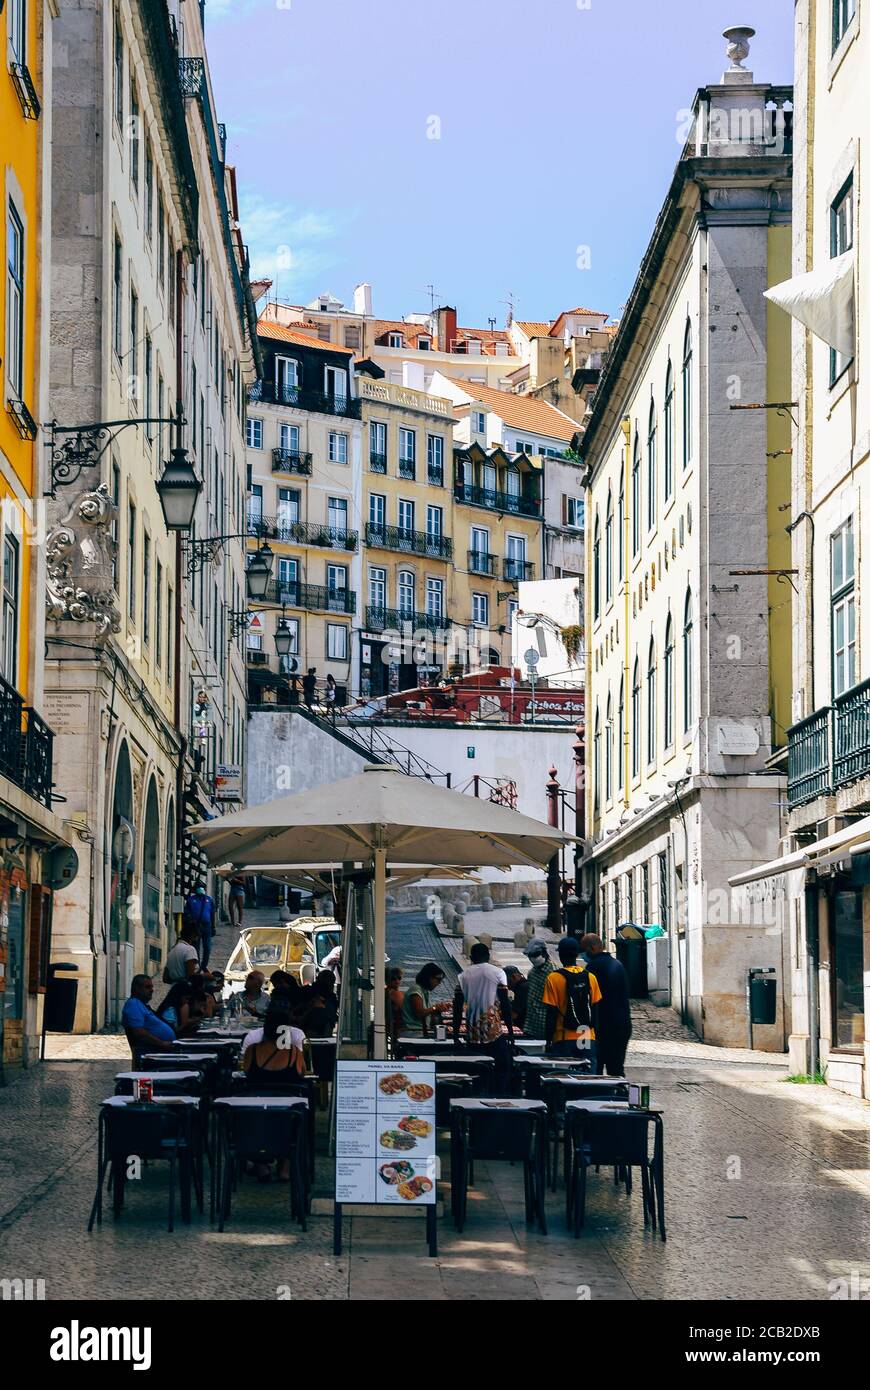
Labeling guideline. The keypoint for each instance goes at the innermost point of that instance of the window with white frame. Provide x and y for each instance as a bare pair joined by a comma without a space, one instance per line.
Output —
288,511
336,642
289,437
434,523
688,665
407,445
337,516
435,598
337,447
254,433
573,511
377,586
635,720
395,340
842,240
842,14
669,434
9,635
378,441
688,406
480,610
14,301
435,457
377,509
292,627
478,422
651,704
336,582
406,591
335,381
286,378
635,497
843,635
406,515
651,468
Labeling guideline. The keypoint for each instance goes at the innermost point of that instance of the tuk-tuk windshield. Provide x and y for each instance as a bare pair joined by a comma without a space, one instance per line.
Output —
326,941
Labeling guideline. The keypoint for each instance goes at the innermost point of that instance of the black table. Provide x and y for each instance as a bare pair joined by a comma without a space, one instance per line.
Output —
462,1150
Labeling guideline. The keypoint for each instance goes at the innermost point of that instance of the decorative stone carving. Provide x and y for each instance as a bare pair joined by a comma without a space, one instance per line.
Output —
738,37
80,552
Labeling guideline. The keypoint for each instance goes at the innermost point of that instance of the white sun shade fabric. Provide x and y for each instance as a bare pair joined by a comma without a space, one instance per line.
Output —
823,301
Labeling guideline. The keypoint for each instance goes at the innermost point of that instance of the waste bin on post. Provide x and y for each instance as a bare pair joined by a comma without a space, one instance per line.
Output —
60,998
574,915
760,998
631,953
340,696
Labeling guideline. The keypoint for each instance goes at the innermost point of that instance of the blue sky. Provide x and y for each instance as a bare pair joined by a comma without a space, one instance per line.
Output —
555,136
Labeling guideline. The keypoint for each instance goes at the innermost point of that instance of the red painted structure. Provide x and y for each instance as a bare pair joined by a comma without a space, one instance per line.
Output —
496,695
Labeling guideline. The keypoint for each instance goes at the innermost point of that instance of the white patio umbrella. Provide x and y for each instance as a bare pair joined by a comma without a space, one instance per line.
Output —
380,815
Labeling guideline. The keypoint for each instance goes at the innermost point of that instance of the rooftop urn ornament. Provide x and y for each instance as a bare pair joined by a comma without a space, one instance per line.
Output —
738,37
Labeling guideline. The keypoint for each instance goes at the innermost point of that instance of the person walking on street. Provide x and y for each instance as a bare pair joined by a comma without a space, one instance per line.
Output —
614,1011
571,996
309,686
535,1025
199,912
236,901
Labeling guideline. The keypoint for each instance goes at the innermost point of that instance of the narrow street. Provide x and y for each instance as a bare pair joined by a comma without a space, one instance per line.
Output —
767,1196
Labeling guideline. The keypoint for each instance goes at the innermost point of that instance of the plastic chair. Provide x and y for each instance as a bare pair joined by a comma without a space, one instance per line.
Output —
620,1138
258,1136
144,1131
512,1136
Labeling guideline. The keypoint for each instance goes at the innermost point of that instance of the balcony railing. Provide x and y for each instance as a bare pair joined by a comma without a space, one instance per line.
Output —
316,597
291,461
435,474
495,501
479,562
278,528
26,744
317,401
378,463
409,542
809,758
852,734
407,468
394,619
517,570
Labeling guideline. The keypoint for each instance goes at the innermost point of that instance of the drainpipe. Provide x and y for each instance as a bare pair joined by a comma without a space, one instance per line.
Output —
811,903
179,583
554,896
626,666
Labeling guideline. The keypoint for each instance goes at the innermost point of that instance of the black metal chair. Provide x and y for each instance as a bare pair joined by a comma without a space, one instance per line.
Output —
619,1138
555,1094
481,1067
259,1136
307,1086
163,1085
511,1136
451,1087
142,1131
529,1070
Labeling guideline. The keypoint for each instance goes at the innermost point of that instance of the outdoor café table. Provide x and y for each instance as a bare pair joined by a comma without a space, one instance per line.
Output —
224,1104
478,1064
461,1111
527,1067
424,1046
558,1088
532,1047
452,1085
160,1078
617,1108
190,1107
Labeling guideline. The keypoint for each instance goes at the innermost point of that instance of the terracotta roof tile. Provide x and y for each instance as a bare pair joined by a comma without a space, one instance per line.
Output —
520,412
533,329
267,329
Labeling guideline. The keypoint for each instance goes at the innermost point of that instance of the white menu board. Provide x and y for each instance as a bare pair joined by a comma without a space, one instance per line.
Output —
385,1133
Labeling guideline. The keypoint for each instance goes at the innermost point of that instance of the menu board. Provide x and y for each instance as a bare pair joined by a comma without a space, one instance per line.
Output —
385,1133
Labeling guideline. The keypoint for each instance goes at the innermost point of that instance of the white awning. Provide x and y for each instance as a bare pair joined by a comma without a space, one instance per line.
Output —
852,839
823,301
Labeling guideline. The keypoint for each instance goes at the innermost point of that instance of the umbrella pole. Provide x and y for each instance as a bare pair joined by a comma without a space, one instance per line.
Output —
380,906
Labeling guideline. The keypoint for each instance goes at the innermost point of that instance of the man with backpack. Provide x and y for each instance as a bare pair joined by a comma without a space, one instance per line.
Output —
200,912
571,995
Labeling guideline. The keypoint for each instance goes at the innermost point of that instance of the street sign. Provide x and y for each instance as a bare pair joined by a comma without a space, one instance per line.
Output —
531,657
63,866
228,782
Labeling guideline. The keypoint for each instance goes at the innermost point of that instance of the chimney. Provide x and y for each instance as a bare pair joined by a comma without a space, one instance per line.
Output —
362,299
445,319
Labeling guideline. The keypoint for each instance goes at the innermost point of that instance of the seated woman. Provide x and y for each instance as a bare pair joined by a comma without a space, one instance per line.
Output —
318,1008
417,1012
178,1008
276,1058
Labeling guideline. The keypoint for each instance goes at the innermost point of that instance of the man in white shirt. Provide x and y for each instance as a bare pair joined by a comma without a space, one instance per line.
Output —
183,960
482,991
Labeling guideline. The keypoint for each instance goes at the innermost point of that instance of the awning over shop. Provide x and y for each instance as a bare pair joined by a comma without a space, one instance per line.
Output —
852,839
823,300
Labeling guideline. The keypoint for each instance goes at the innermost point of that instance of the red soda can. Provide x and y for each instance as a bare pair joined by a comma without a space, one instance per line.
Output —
144,1088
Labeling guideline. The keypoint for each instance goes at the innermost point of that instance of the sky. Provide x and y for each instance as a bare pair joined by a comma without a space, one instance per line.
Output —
500,151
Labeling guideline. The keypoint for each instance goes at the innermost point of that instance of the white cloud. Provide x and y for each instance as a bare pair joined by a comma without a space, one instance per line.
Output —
289,245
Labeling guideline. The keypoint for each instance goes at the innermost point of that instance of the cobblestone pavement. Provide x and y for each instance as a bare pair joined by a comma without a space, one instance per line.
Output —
767,1193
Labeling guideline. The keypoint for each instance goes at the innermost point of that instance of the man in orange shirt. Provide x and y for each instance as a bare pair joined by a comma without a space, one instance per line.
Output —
571,994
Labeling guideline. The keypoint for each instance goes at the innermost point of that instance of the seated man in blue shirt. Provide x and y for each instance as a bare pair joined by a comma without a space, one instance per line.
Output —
145,1031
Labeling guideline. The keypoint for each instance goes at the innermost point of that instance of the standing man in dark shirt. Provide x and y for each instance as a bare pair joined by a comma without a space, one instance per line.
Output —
613,1020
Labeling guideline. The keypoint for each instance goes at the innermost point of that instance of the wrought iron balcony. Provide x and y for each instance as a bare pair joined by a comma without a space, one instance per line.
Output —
409,542
852,734
496,501
291,461
26,744
279,528
191,75
435,474
394,619
517,570
318,402
407,468
480,562
22,419
316,597
377,463
26,90
809,758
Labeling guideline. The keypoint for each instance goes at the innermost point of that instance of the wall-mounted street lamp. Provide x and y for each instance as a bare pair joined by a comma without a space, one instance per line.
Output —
259,572
75,448
283,635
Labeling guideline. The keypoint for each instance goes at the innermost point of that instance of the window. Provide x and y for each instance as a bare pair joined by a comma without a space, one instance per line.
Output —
255,506
352,336
11,568
478,422
651,468
644,892
651,710
377,586
842,239
480,610
158,616
254,433
629,895
146,588
336,584
337,515
512,488
620,735
377,509
336,642
117,300
608,751
378,443
406,592
169,648
335,381
620,528
596,571
407,446
118,74
289,436
293,629
131,560
669,433
688,664
596,762
149,190
608,549
480,547
134,136
149,385
434,523
664,895
635,497
435,598
288,511
842,14
573,509
635,720
843,640
133,354
337,447
687,396
15,302
435,458
161,241
406,516
669,683
848,968
286,379
395,340
288,580
423,344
